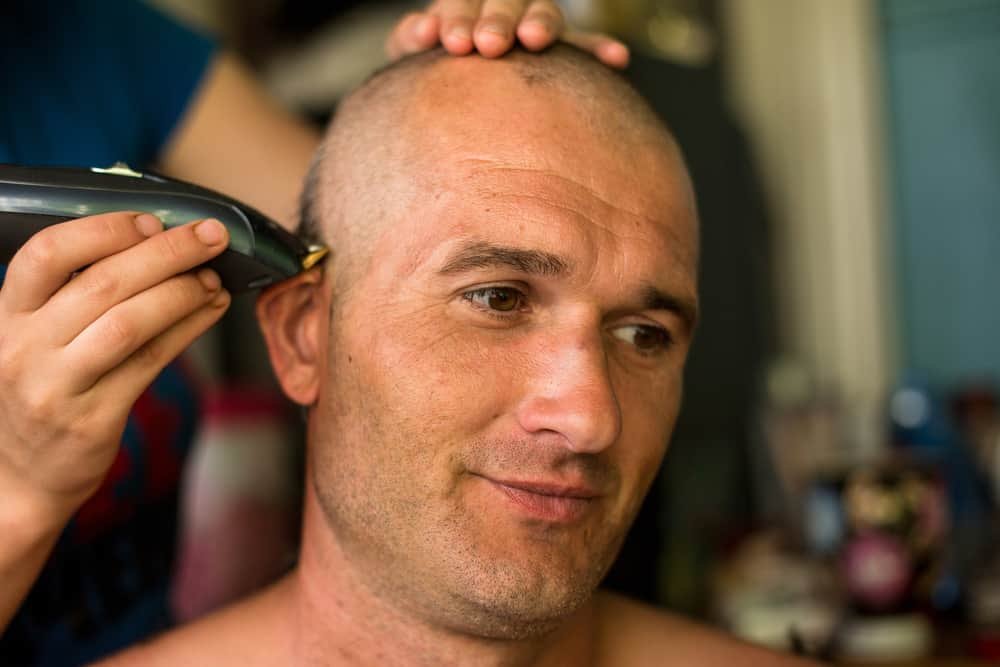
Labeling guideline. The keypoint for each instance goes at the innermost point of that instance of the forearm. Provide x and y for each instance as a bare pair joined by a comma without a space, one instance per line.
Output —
29,530
236,139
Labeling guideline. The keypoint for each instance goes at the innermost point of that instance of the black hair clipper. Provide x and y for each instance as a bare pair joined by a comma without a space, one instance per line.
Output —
260,251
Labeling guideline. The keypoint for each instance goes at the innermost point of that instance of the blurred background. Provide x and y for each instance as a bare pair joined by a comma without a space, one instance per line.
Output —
832,483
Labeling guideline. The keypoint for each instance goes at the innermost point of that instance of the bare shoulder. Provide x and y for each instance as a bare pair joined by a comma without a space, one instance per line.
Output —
633,633
240,634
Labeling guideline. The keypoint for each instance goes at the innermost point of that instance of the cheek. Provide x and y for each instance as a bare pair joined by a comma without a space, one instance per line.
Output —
422,374
648,418
407,396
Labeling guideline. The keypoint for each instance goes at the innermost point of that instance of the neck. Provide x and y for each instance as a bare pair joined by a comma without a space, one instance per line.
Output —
339,619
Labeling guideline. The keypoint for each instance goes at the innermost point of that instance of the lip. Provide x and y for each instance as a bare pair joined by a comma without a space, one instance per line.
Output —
547,501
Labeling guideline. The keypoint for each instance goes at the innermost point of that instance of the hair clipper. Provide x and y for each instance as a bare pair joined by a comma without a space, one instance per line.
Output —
260,251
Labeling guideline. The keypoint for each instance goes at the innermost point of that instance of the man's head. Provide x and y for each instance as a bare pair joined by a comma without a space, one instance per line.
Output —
493,357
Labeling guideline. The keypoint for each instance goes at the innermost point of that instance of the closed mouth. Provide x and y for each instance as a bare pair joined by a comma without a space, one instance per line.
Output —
548,501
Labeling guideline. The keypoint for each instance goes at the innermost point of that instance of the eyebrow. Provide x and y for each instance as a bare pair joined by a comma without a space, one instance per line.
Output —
655,299
482,255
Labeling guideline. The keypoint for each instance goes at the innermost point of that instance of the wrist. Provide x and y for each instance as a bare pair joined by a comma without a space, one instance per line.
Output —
29,515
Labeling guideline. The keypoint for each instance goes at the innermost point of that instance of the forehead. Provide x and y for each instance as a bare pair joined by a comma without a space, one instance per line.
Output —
613,239
489,156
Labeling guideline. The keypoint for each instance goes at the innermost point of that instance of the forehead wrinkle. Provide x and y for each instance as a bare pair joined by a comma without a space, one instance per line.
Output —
480,166
679,249
571,211
580,192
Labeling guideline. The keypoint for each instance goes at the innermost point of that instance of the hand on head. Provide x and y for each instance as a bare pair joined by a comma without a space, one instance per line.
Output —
493,27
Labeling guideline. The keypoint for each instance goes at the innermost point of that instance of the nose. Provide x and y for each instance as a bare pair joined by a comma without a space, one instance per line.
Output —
570,393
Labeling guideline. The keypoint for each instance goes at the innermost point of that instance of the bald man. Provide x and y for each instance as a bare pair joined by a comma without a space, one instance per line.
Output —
491,364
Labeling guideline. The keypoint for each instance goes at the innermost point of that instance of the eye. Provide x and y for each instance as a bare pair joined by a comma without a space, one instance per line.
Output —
497,299
646,338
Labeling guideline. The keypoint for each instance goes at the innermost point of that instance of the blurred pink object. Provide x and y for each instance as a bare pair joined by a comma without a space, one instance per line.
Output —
239,513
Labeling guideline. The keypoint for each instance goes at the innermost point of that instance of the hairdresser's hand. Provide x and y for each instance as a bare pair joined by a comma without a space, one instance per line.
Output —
491,27
78,347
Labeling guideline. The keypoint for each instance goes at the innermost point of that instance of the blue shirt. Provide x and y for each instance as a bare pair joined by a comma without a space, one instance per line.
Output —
87,83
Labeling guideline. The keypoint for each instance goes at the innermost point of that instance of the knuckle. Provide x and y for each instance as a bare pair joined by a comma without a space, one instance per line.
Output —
100,284
179,296
184,293
112,224
149,354
118,332
41,249
38,404
174,246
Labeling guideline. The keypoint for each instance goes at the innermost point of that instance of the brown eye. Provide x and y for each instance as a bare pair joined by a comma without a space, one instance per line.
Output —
499,299
646,339
502,299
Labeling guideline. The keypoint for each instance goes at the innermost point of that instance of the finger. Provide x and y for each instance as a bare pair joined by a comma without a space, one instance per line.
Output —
50,257
119,332
128,380
118,277
417,31
543,23
458,17
494,32
607,49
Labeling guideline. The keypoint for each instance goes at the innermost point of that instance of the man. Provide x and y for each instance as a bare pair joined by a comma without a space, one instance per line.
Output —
188,111
492,366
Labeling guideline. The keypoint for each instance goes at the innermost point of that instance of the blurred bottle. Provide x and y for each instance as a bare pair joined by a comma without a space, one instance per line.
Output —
773,589
976,411
923,430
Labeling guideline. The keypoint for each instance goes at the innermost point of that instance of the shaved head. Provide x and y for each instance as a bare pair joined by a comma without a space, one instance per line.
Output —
376,146
493,359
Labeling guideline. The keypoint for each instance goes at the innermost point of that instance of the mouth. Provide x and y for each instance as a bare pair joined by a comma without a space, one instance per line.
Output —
546,501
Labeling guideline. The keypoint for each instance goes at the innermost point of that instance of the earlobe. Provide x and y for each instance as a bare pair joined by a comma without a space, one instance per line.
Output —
292,317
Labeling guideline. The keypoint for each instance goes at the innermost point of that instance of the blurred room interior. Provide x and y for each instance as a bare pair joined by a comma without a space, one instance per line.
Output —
833,479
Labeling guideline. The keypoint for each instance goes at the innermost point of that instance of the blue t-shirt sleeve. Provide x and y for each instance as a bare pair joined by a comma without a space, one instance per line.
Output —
163,74
88,83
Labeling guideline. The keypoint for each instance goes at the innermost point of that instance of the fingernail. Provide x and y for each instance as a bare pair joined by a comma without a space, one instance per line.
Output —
221,300
148,224
493,28
210,232
209,279
616,50
461,31
539,22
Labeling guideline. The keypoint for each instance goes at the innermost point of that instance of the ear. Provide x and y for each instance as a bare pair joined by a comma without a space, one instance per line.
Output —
294,316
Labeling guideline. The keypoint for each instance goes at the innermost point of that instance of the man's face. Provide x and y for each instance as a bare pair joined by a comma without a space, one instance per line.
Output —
504,375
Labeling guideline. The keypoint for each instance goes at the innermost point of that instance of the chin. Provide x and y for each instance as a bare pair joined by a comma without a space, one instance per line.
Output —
505,586
516,602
